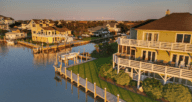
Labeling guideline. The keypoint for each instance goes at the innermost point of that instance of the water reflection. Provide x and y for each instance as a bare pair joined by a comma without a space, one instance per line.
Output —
89,97
47,58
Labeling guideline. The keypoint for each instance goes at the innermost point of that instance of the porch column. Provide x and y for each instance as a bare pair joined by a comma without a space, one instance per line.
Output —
165,77
117,68
139,76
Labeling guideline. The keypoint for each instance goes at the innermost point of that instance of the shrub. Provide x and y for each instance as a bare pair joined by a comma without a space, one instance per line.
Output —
153,88
133,83
123,78
176,93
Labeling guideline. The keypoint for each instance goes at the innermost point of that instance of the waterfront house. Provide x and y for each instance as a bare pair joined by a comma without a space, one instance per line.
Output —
160,49
99,31
112,27
52,34
15,34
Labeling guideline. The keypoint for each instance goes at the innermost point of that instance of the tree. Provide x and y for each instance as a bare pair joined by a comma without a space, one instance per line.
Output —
176,93
153,88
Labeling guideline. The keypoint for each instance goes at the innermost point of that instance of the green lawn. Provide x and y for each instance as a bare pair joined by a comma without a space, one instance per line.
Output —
90,70
90,38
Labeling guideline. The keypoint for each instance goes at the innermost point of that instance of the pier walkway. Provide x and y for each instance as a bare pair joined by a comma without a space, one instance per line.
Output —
97,91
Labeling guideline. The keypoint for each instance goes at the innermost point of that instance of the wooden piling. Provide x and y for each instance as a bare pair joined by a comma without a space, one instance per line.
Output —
86,56
65,72
105,100
71,77
117,97
86,85
77,80
95,93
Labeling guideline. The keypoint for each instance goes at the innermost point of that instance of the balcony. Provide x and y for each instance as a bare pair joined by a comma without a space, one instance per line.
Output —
44,35
161,68
179,47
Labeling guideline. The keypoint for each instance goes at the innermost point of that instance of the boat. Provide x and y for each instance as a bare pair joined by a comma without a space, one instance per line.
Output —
69,55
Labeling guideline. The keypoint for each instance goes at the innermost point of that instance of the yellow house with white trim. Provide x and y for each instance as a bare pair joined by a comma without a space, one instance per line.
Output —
160,48
45,31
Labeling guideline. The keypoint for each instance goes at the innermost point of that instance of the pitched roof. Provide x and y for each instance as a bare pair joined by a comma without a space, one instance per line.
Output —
37,21
48,28
136,25
62,29
56,28
8,18
172,22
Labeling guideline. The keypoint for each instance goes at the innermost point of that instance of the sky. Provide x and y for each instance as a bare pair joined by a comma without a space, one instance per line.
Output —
126,10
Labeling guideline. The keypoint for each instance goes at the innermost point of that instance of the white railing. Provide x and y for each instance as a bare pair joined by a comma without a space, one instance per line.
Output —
161,69
43,35
181,47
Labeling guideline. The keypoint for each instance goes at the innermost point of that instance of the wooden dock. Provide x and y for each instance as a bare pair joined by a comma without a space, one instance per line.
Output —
97,91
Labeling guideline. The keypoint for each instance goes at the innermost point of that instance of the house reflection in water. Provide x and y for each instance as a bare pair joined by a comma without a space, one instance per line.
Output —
47,58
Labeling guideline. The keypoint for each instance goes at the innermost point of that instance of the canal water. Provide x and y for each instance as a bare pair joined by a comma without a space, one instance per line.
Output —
26,77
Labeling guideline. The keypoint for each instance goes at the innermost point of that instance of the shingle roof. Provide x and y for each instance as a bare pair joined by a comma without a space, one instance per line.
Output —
48,28
8,18
62,29
143,23
56,28
173,22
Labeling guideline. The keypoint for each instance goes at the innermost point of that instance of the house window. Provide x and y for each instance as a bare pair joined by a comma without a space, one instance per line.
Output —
47,25
183,38
34,32
180,60
149,55
34,25
41,25
21,34
151,36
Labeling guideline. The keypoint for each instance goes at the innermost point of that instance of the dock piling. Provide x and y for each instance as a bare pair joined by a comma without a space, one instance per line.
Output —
77,80
65,72
71,77
105,100
117,97
86,85
95,93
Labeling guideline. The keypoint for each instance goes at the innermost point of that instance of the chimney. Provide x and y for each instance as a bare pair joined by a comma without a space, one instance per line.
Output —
167,12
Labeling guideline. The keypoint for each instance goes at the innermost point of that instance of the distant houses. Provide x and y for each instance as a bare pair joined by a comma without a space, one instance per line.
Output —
5,22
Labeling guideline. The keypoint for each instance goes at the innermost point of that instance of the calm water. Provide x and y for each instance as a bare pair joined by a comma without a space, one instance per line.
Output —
25,77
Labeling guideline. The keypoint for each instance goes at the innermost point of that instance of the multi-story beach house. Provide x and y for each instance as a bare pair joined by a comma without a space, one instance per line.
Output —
45,31
5,22
160,49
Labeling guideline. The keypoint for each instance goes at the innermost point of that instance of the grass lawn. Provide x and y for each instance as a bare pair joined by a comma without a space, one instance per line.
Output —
90,70
90,38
